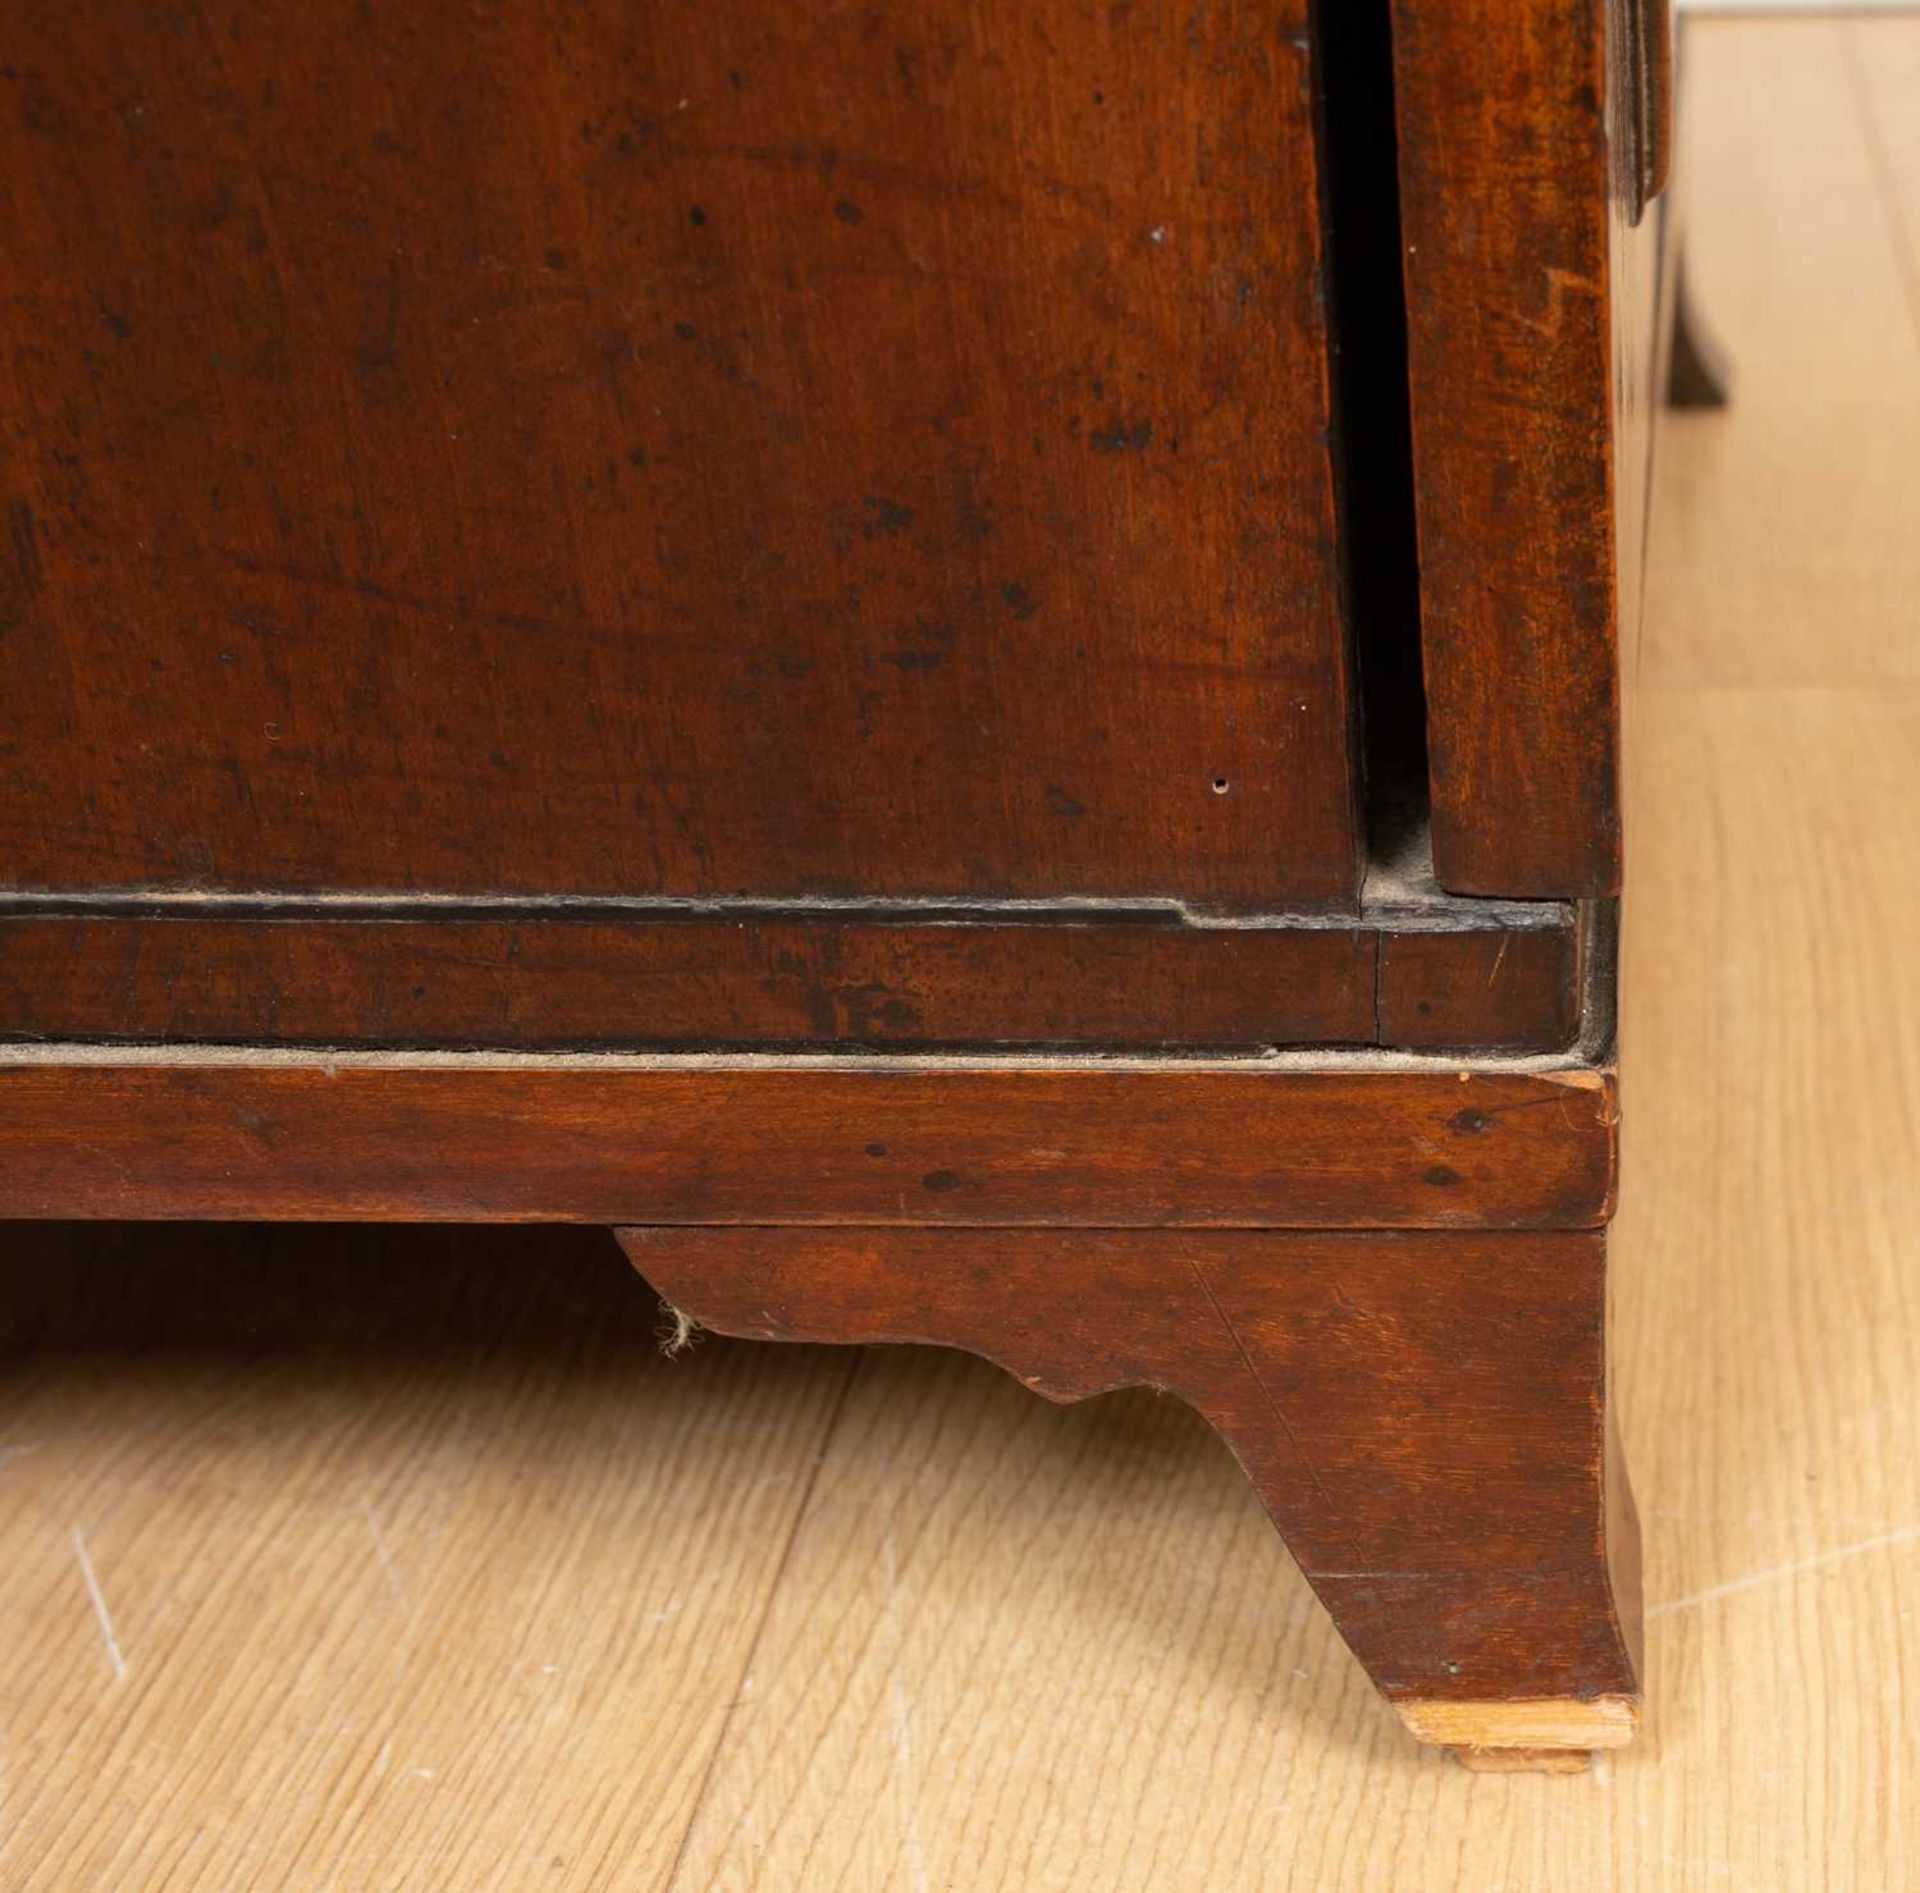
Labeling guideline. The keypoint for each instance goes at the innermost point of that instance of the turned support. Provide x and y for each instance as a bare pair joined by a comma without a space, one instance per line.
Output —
1422,1413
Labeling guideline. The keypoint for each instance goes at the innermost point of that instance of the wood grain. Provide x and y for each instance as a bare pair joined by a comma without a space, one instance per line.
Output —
1010,1644
697,450
549,981
1508,197
1422,1415
1816,314
399,1432
1534,1726
1481,989
1225,1143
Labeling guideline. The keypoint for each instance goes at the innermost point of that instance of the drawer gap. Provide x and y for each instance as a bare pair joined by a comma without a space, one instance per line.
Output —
1372,427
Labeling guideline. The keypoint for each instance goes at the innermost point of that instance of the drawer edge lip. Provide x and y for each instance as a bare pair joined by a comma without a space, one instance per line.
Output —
571,981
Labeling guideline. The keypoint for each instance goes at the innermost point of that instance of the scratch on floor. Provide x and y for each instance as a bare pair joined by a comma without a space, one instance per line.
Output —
387,1565
901,1710
1883,1541
673,1608
100,1613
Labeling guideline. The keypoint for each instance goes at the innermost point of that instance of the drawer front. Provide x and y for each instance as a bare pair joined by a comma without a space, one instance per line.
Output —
676,450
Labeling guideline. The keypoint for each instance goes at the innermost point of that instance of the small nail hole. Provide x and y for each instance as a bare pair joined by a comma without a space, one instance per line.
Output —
1221,785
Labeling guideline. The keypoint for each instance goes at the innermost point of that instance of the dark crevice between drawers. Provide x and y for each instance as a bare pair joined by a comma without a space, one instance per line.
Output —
1372,426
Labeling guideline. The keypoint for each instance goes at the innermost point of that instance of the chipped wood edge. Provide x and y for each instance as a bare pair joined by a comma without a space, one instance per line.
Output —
1520,1724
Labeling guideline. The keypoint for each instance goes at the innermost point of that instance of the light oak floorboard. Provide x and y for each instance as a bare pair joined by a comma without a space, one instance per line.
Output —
370,1559
403,1560
1883,65
1784,530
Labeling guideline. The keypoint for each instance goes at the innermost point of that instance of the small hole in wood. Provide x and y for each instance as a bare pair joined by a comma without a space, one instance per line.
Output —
1221,785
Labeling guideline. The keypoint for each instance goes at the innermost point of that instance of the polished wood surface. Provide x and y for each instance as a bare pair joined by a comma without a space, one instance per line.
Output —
698,662
1422,1415
1222,1143
1491,988
543,981
703,450
420,1560
1509,198
565,471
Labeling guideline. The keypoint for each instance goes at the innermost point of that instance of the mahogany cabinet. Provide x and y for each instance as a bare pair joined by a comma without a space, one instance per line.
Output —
955,662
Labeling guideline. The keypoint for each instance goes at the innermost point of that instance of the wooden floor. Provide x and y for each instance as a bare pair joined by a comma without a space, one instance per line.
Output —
401,1559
